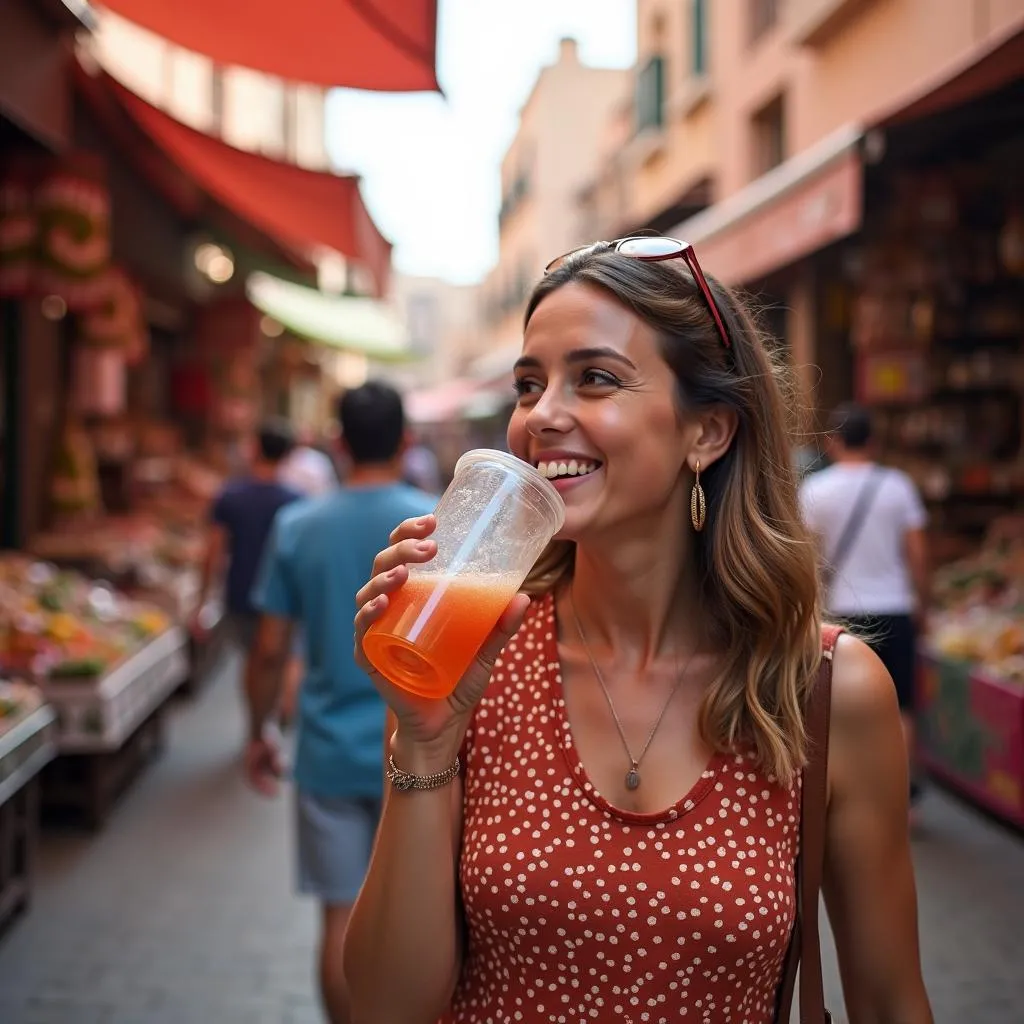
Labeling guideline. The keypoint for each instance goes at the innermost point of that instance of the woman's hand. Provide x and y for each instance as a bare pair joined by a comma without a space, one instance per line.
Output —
436,725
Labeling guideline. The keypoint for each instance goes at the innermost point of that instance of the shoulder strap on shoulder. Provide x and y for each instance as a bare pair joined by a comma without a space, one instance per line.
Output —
805,945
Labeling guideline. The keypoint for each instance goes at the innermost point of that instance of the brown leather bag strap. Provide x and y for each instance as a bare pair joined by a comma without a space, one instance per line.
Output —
805,944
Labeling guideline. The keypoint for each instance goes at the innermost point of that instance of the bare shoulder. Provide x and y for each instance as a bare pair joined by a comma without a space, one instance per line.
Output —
866,737
863,695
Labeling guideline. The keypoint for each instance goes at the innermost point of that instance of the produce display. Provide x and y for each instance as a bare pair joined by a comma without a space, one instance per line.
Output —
17,701
154,552
58,624
971,683
979,607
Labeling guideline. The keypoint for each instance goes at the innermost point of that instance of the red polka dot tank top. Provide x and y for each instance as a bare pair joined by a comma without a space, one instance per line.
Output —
577,910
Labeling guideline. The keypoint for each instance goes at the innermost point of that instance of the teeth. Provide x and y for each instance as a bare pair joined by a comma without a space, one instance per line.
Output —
574,467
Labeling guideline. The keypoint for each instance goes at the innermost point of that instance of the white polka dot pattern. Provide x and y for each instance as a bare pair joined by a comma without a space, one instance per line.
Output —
579,911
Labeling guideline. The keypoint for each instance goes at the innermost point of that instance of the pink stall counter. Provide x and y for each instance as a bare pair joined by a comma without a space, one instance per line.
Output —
971,727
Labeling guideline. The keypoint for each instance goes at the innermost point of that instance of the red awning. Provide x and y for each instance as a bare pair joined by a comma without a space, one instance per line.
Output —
303,209
359,44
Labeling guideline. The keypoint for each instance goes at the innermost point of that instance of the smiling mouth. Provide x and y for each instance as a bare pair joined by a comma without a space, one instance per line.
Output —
567,469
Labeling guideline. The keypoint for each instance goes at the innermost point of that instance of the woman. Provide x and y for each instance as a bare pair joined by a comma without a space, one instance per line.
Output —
621,843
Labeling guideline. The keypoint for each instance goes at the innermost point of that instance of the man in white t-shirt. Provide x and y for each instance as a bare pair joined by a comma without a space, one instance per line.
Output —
871,527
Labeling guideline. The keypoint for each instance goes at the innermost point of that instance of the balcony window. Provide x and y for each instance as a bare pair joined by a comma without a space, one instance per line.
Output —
763,16
768,130
650,95
698,31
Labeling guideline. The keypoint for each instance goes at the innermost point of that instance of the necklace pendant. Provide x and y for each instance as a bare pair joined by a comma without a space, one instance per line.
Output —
633,777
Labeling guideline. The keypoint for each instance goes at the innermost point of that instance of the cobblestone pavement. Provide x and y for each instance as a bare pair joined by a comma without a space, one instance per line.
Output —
181,910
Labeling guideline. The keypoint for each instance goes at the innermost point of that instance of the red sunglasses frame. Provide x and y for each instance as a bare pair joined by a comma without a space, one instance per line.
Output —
682,250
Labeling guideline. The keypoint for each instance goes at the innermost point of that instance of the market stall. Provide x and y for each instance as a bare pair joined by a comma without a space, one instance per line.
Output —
934,315
28,735
937,330
972,674
106,664
151,552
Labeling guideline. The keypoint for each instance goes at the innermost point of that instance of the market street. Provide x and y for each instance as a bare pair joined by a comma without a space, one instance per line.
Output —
181,911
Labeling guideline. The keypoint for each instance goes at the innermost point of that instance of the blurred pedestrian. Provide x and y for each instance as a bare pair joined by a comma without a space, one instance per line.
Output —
312,473
602,820
316,561
307,469
420,467
870,522
239,525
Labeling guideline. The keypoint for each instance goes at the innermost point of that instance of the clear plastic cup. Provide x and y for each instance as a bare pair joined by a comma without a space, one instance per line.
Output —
493,523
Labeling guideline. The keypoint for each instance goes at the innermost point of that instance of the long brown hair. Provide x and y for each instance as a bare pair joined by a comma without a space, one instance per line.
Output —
756,561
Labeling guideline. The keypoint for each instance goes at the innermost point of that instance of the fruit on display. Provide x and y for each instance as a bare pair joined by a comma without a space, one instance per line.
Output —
154,552
17,700
978,613
59,624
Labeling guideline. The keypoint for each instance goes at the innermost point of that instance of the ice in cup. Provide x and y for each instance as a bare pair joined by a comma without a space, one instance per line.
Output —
493,523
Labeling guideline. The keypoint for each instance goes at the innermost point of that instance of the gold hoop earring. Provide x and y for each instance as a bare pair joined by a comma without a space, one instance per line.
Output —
698,507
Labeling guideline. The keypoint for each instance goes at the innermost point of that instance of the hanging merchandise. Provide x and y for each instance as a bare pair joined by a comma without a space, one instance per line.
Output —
116,320
99,381
54,227
73,210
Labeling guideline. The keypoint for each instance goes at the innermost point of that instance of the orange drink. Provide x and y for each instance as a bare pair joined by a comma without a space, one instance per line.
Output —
433,627
494,520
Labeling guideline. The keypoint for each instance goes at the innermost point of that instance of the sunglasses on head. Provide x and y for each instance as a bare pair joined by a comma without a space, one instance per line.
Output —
655,249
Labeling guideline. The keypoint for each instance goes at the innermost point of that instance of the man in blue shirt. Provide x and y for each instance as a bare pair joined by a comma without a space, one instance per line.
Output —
319,555
240,523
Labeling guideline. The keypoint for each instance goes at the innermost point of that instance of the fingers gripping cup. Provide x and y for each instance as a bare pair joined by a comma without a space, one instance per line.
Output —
493,523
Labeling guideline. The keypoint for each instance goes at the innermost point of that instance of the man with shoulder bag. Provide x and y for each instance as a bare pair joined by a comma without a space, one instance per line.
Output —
870,522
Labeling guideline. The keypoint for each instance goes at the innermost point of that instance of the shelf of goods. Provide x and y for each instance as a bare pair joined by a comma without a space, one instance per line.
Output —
105,663
937,328
28,742
972,677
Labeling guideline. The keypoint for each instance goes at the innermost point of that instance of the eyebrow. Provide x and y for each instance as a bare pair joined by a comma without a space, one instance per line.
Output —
577,355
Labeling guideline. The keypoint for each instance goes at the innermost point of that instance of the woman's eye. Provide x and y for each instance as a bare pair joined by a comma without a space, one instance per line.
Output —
599,378
523,386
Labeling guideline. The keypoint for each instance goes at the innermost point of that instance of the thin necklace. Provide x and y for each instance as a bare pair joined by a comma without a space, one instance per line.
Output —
633,775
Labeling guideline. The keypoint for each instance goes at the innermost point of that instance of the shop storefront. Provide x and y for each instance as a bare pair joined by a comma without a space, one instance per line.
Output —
35,124
936,334
897,248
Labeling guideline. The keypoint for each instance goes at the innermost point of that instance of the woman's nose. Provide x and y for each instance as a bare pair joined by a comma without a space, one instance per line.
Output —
550,412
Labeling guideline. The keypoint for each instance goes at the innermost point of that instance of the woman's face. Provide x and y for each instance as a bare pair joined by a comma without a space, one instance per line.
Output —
597,414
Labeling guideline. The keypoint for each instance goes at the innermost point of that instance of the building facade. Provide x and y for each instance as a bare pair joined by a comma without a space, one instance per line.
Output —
442,326
563,130
245,108
750,129
725,92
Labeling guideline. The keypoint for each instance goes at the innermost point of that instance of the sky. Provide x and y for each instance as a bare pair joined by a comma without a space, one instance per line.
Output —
431,165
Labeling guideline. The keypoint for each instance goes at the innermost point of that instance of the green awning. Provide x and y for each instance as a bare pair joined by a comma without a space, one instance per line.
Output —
352,323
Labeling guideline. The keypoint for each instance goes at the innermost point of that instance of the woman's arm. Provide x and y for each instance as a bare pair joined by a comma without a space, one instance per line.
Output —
869,875
403,948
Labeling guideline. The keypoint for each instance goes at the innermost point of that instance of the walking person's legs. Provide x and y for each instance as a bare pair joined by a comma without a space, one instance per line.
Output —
335,838
901,661
894,639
